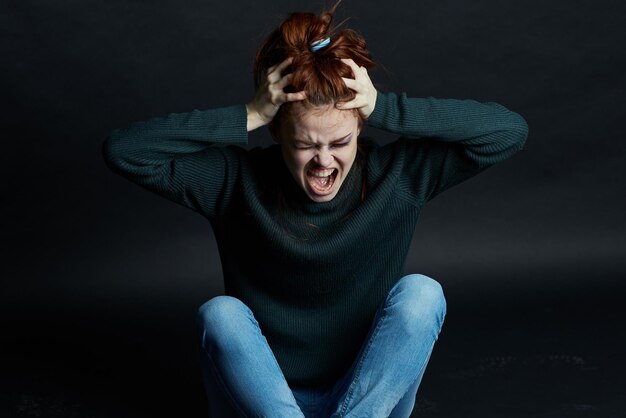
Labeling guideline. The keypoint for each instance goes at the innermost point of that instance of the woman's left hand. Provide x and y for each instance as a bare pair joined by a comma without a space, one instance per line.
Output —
365,99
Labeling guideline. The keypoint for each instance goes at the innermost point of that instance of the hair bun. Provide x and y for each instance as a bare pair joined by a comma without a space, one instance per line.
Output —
316,47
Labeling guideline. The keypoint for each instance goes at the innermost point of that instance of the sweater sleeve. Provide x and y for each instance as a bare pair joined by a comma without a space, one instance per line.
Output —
445,141
177,156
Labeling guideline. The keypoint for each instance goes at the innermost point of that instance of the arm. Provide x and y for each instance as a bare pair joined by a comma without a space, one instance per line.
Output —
175,157
461,137
450,140
469,122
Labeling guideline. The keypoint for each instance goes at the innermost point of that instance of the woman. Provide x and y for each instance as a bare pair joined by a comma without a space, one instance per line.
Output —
313,231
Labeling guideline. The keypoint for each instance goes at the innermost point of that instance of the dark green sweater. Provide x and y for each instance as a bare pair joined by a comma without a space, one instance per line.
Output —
314,273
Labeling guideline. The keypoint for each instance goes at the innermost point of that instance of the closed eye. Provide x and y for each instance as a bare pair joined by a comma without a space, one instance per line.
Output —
342,144
302,145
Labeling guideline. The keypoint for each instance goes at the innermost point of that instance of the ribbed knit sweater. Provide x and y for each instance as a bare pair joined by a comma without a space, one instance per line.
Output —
314,273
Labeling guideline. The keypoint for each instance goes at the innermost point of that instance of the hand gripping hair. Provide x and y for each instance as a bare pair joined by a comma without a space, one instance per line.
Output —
317,47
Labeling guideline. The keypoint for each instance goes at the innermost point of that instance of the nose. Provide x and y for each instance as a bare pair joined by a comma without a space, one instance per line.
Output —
324,157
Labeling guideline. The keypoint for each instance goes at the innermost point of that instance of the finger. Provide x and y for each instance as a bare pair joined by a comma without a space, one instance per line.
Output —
284,81
345,105
350,83
269,70
291,97
283,65
274,75
349,105
351,63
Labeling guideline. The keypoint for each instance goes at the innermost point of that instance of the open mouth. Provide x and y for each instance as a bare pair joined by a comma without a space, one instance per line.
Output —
321,181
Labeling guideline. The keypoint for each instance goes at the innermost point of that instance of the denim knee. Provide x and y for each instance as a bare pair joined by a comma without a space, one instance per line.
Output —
220,316
420,301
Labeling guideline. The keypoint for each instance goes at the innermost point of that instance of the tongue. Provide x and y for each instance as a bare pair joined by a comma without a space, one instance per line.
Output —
322,181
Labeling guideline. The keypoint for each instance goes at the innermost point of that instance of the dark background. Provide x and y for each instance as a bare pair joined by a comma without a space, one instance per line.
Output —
101,279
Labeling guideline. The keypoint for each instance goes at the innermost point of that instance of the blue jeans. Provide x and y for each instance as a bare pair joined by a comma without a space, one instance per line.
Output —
243,379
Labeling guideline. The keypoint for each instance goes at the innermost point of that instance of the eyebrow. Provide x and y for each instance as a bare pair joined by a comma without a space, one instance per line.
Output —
332,142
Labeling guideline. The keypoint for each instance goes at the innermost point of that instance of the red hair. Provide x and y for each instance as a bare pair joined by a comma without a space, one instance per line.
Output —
318,73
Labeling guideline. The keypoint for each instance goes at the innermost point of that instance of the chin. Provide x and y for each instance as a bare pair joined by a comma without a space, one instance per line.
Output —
320,199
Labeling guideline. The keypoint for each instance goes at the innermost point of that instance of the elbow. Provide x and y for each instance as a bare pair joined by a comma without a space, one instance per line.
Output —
516,127
515,133
511,138
111,151
520,131
107,151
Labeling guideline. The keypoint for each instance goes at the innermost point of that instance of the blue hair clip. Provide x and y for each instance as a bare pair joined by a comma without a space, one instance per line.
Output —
319,44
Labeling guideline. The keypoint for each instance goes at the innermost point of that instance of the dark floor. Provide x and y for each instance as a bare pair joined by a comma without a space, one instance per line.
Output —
548,355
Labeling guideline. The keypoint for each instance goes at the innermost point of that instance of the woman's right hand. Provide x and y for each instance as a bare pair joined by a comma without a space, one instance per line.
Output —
270,95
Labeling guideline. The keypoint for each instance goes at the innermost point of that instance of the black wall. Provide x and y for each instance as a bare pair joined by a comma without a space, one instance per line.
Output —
101,279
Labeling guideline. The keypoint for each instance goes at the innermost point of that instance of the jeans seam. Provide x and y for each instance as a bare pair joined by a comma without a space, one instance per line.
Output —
357,372
421,371
258,332
221,383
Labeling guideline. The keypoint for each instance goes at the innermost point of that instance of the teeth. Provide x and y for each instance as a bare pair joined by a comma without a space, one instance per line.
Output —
321,173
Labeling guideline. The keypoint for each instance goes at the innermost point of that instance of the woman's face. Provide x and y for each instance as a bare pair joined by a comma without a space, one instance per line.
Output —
319,148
